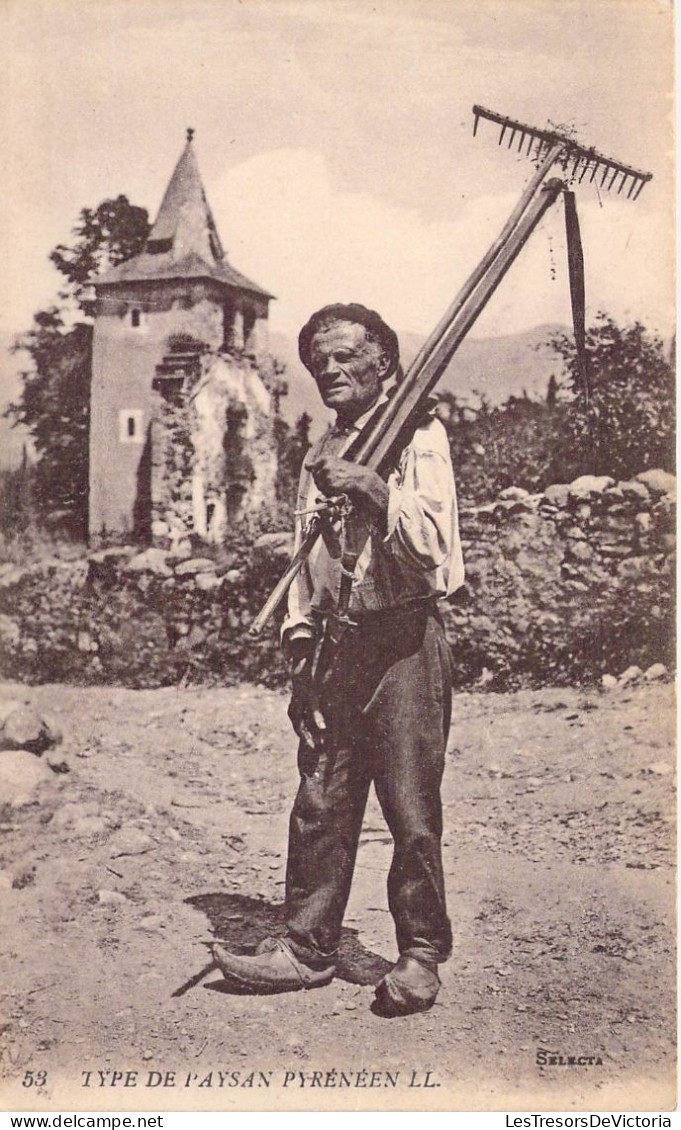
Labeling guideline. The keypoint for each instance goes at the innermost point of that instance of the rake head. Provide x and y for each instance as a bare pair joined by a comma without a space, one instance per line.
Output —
576,161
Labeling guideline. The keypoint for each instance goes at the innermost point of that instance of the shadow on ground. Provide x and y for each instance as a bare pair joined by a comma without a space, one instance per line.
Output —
241,923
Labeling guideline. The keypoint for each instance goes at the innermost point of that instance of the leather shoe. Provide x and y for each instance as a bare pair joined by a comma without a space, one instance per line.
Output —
410,986
272,968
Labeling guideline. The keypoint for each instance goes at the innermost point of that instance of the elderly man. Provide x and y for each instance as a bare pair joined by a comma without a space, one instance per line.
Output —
371,686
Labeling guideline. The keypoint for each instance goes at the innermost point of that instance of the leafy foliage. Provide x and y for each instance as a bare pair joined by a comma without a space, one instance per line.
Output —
628,428
54,406
292,444
630,425
105,236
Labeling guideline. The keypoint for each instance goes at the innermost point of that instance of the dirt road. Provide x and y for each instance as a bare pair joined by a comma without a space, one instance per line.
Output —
169,828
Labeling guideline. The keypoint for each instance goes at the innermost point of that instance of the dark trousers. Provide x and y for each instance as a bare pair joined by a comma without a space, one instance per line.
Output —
387,702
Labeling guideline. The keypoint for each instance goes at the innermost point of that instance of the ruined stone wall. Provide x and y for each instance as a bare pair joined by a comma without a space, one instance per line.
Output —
567,581
214,459
573,586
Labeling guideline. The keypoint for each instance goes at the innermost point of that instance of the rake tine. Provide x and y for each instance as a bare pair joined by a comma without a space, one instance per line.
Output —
576,161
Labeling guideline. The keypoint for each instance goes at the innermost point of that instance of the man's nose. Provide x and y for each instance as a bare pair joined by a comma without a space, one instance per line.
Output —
329,368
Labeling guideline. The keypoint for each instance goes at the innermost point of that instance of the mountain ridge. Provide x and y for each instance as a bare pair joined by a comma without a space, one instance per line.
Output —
493,368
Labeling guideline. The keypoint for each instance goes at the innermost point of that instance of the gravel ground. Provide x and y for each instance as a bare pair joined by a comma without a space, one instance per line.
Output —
166,826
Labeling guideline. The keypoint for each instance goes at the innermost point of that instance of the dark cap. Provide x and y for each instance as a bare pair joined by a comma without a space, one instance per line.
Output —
375,327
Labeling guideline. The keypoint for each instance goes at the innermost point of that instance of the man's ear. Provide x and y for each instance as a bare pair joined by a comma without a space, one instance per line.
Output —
383,365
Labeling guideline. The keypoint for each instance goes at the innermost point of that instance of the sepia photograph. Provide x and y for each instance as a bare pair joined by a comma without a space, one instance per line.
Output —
337,556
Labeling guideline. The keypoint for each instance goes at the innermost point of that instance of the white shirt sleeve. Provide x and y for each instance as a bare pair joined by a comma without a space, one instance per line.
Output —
422,523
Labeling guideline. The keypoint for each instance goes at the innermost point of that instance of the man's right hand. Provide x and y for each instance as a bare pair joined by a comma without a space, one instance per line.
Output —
304,710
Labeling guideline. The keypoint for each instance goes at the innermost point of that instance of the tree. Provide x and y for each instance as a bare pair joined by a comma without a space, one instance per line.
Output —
115,231
55,399
628,428
292,445
630,425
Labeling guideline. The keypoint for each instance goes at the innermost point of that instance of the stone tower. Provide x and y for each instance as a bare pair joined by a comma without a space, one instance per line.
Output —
180,421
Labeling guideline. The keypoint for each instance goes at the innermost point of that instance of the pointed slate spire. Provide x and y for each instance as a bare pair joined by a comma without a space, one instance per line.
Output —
184,242
185,223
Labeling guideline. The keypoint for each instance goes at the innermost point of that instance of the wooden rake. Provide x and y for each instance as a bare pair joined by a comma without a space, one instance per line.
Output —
387,434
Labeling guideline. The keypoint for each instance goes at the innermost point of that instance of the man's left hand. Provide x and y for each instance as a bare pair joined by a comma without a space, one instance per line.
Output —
365,488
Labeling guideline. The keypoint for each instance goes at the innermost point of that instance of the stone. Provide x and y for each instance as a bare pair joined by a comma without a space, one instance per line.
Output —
557,494
195,565
659,769
12,577
180,549
56,762
578,551
111,898
631,675
513,493
20,775
589,486
130,841
150,561
634,490
658,482
233,576
206,582
10,632
608,682
633,567
486,513
159,529
611,550
656,673
642,523
24,728
512,506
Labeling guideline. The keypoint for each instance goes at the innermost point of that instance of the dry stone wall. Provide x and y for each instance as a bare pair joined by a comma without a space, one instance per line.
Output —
574,585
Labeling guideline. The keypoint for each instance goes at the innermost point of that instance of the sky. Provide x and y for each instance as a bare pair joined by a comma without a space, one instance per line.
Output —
335,143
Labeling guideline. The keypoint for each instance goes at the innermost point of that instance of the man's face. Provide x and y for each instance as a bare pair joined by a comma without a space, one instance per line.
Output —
348,369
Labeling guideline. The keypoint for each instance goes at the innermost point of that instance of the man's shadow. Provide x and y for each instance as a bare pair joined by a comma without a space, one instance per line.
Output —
241,923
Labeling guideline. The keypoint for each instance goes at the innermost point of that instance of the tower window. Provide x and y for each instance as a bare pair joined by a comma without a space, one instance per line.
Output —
130,425
135,318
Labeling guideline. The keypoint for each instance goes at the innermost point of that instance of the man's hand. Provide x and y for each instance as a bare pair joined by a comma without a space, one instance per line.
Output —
365,488
304,709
